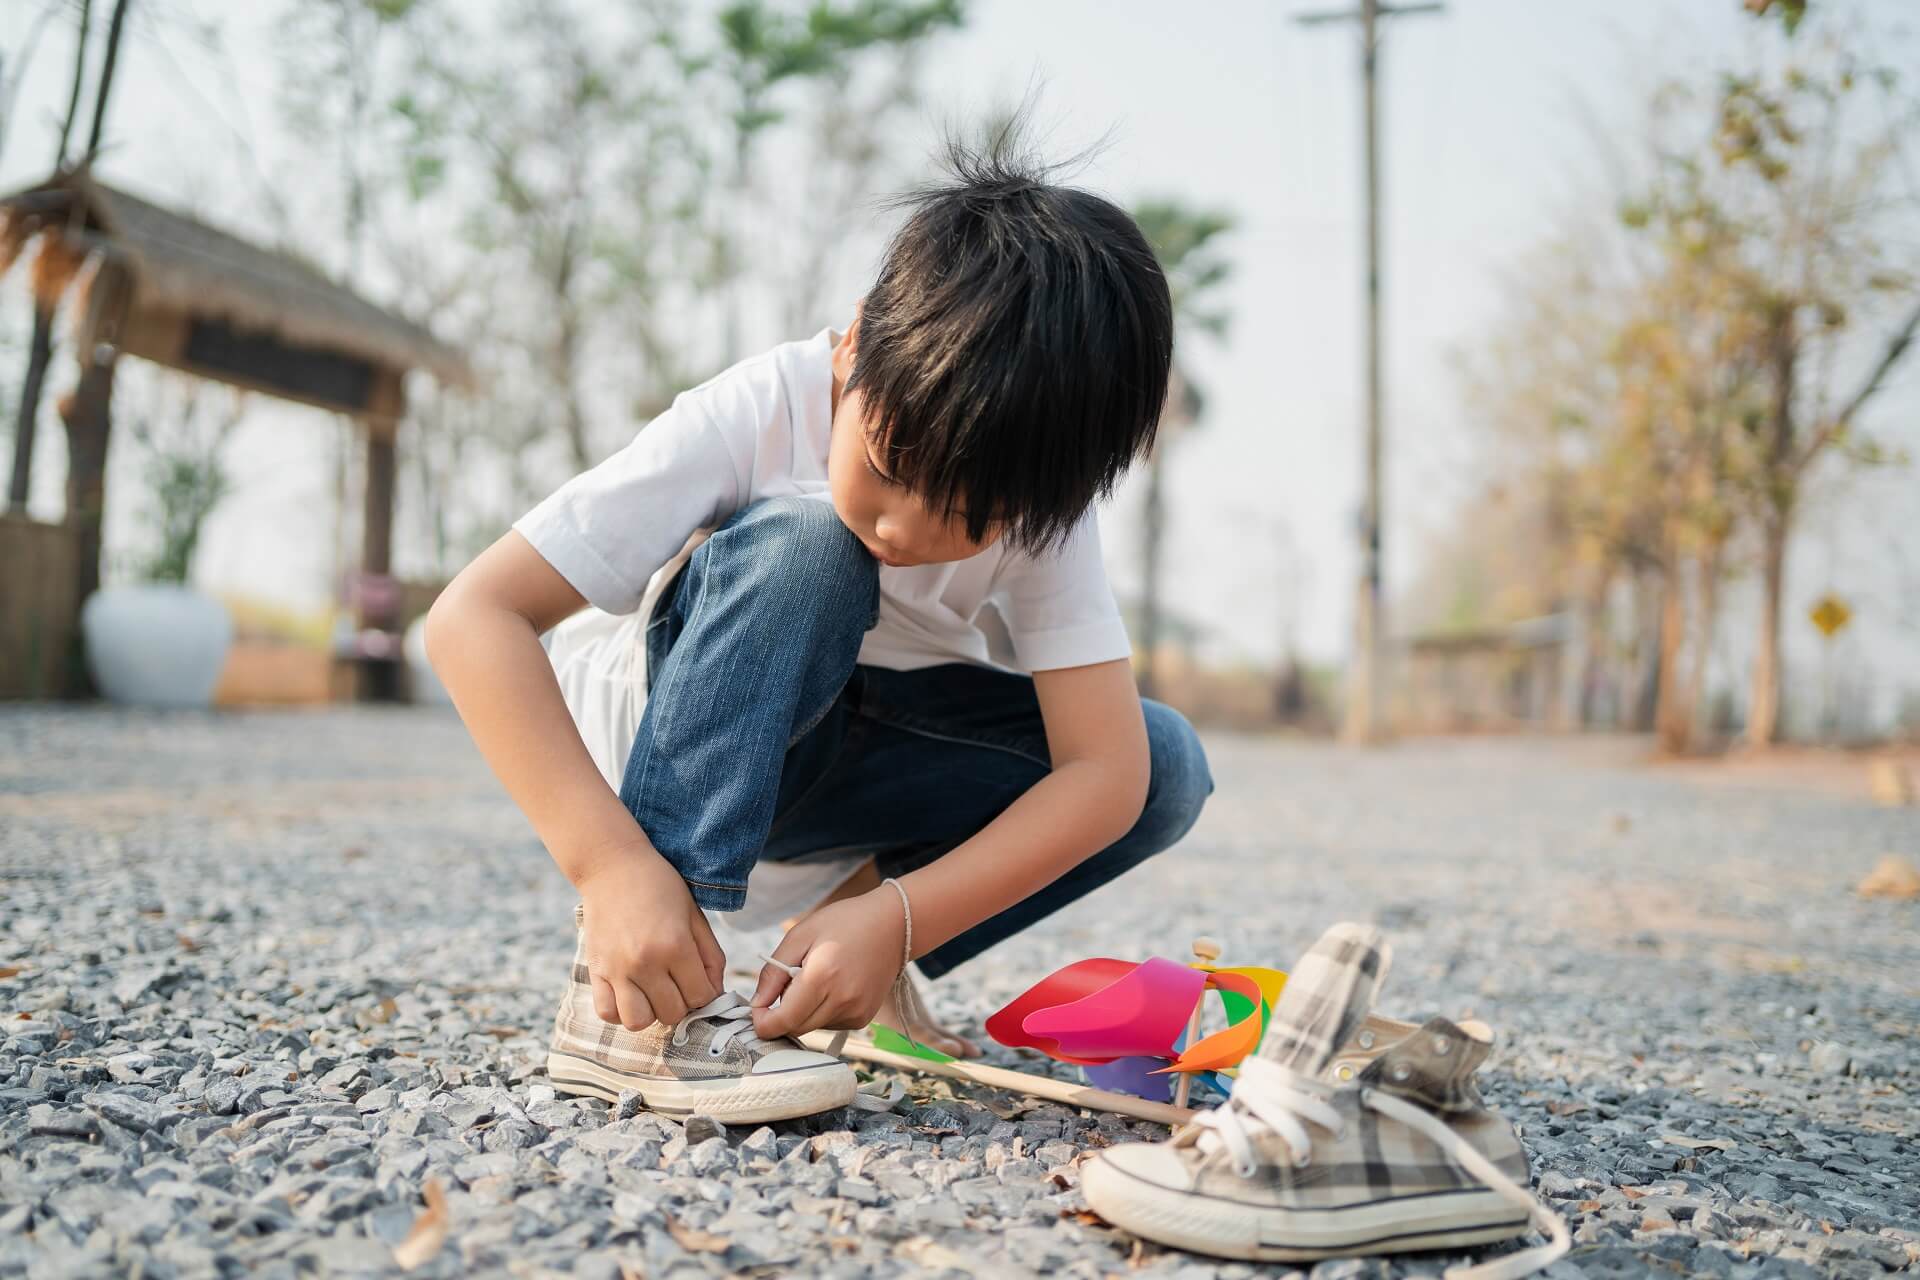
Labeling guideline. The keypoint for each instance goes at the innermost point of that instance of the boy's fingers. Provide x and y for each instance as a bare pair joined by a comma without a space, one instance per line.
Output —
632,1006
795,1014
712,958
690,975
773,981
605,1007
664,997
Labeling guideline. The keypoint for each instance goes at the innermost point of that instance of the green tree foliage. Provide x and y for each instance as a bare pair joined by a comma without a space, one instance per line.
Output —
1670,383
762,46
180,427
561,188
1789,13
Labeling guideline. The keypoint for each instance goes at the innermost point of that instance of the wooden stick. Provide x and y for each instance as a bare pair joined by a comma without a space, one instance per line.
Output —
1074,1095
1206,951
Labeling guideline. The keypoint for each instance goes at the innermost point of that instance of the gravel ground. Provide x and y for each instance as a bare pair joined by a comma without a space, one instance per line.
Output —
267,976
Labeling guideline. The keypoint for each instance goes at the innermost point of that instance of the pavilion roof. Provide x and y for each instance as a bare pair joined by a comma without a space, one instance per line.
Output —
185,265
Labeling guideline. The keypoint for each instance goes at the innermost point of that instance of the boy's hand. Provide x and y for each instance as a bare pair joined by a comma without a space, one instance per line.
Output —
849,955
649,949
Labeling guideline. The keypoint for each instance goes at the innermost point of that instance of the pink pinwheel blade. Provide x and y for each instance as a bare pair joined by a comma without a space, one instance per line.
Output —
1141,1015
1081,978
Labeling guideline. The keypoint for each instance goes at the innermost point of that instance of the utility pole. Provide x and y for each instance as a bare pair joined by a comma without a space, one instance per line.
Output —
1366,694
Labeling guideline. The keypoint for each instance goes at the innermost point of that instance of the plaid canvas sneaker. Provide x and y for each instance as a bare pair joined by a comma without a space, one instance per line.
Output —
710,1062
1298,1165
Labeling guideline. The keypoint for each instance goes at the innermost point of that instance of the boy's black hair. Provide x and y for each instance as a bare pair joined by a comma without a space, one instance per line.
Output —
1013,353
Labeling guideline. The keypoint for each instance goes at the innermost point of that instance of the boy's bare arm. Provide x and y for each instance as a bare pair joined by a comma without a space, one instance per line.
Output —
651,953
1097,739
849,951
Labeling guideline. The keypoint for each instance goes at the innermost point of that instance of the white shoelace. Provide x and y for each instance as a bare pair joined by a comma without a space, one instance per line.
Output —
735,1018
1266,1095
1269,1096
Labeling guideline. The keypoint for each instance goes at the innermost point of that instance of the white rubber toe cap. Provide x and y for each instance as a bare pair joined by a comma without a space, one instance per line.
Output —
1150,1162
781,1060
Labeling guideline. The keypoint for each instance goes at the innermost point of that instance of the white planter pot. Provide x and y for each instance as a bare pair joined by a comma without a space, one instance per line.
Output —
425,686
156,645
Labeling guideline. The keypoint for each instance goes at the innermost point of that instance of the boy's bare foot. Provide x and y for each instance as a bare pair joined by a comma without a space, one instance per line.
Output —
934,1037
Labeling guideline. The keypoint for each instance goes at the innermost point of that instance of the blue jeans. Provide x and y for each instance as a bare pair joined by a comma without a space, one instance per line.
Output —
764,738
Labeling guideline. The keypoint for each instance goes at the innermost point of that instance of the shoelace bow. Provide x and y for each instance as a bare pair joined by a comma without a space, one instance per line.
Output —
735,1018
1271,1097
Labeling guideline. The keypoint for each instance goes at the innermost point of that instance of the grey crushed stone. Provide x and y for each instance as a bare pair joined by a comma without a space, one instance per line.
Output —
278,970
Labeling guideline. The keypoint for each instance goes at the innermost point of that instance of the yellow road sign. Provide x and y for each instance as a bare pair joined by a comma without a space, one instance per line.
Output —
1830,614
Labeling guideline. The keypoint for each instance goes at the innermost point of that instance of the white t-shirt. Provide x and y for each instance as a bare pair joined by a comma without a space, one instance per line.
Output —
761,430
758,430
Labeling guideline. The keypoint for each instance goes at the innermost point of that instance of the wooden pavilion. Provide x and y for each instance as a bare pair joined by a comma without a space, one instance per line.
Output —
145,281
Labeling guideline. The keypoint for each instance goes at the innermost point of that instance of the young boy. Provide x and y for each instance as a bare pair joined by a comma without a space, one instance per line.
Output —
833,709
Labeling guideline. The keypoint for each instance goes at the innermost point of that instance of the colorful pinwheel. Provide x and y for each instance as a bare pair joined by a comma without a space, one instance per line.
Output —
1130,1026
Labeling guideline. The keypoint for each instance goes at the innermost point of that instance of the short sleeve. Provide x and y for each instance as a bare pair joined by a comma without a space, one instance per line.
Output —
609,528
1059,608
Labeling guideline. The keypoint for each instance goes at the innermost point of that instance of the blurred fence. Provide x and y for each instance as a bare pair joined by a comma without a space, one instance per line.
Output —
38,613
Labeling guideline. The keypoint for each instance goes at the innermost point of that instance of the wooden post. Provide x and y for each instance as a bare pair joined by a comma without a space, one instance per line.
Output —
27,419
379,674
376,552
386,404
88,415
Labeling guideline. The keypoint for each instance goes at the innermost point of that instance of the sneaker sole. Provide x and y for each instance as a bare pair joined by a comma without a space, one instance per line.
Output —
1229,1229
780,1095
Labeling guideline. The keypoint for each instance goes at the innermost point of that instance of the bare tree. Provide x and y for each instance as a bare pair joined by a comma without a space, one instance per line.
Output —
40,345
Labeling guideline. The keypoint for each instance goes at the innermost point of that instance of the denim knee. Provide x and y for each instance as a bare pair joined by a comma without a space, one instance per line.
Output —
1181,781
800,549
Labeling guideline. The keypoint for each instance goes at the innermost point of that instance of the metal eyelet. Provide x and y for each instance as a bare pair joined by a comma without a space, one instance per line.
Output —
1345,1072
1401,1071
1302,1160
679,1039
1247,1170
714,1051
1442,1045
1366,1039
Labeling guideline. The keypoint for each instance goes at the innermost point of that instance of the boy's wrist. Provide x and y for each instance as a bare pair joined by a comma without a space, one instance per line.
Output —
894,927
635,853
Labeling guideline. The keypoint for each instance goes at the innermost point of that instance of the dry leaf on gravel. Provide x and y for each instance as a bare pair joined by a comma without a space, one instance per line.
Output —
1892,877
1696,1144
931,1254
429,1230
694,1240
1004,1109
9,970
1889,783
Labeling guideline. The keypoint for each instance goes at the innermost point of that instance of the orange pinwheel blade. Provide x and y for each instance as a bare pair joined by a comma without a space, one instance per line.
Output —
1226,1048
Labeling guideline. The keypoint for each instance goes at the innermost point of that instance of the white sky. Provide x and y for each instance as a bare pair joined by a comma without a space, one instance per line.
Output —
1490,113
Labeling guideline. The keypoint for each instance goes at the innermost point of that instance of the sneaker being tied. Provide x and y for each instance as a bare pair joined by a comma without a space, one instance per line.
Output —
709,1062
1348,1134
